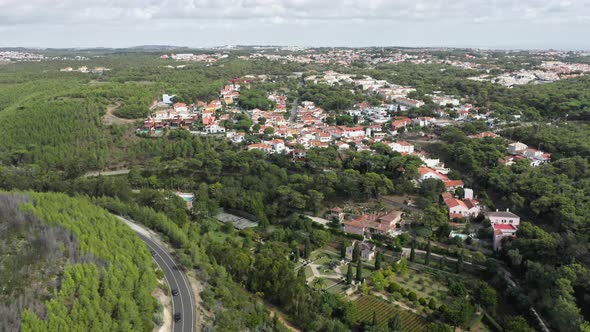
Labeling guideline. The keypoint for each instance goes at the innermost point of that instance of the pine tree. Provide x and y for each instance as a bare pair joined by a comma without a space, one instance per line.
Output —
359,270
349,274
427,258
378,259
413,252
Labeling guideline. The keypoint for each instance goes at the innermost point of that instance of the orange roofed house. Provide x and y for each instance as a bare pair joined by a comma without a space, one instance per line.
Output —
382,223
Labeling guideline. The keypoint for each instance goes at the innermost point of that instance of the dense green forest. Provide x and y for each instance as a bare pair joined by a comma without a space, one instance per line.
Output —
72,267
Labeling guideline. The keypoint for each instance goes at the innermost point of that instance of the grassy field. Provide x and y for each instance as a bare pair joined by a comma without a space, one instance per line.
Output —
384,311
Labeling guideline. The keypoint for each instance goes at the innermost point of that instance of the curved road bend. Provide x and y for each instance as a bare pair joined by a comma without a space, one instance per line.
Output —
182,303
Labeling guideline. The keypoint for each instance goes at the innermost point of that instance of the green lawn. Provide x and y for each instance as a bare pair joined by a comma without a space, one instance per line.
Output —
338,288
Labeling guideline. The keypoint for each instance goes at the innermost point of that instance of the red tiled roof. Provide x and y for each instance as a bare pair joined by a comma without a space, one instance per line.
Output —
454,183
507,227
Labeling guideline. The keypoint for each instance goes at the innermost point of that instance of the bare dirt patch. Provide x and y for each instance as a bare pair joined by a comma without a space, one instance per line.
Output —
110,118
166,301
202,315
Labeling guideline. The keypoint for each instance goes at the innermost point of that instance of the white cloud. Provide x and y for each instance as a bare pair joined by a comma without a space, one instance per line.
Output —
307,22
117,11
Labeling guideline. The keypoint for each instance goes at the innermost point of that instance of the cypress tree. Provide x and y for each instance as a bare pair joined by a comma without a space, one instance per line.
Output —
307,248
359,271
343,250
427,258
395,323
413,252
356,251
349,274
378,259
459,266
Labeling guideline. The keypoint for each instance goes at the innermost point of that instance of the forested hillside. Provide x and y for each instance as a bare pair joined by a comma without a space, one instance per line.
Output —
551,251
68,265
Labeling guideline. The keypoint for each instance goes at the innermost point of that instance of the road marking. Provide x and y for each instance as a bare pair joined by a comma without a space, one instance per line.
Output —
190,291
167,282
175,280
149,242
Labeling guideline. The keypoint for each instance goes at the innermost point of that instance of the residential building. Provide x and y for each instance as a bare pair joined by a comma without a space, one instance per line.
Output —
337,213
367,250
516,148
407,102
500,232
261,146
384,223
402,147
168,99
503,218
461,208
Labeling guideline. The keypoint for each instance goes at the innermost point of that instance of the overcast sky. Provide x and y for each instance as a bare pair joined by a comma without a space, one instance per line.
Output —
201,23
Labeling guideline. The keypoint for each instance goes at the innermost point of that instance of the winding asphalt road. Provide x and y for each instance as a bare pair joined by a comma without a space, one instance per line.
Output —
183,302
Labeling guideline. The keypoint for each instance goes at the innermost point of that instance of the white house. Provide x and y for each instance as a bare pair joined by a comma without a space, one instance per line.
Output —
402,147
214,129
167,99
180,107
428,173
503,218
517,148
278,145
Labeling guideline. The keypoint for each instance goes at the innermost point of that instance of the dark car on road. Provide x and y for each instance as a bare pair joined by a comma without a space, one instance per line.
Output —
174,292
177,316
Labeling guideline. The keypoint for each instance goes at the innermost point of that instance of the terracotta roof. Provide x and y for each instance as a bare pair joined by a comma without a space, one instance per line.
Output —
506,227
454,183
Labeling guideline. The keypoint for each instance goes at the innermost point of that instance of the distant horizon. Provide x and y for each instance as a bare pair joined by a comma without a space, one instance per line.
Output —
496,24
229,46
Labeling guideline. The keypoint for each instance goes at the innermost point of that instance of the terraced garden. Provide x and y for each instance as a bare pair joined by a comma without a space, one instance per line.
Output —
367,305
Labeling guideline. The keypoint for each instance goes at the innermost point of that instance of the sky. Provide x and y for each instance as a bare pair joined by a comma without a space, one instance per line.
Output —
522,24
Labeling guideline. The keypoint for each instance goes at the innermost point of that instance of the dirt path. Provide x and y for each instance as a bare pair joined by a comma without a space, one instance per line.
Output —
287,324
110,118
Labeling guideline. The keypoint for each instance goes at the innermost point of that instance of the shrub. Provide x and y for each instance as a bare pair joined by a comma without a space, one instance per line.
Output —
432,304
403,292
422,301
393,287
412,296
